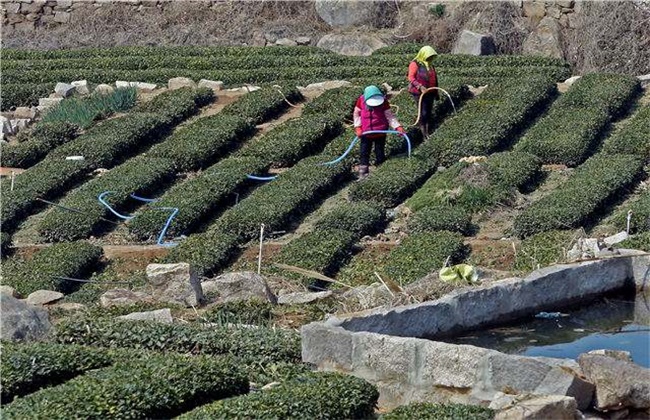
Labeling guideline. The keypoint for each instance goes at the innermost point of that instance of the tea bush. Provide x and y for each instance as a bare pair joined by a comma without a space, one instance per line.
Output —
421,253
263,104
441,217
573,126
199,144
432,411
157,387
43,137
477,186
250,345
70,259
490,122
324,251
196,198
632,139
360,218
317,395
201,196
102,146
141,175
588,189
24,94
29,367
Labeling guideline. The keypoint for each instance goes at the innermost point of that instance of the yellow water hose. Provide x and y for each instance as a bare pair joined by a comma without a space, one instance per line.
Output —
431,89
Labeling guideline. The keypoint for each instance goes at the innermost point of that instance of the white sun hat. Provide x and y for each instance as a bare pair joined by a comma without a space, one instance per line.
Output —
375,100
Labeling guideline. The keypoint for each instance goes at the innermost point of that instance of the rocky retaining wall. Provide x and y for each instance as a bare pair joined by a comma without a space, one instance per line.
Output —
376,347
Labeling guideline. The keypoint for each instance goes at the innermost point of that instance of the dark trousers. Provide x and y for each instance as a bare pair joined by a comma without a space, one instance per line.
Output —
366,146
427,104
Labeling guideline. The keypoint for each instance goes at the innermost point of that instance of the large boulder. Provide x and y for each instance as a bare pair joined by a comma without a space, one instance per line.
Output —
43,297
122,297
180,82
21,321
242,286
474,44
545,40
64,89
351,44
619,384
352,13
175,283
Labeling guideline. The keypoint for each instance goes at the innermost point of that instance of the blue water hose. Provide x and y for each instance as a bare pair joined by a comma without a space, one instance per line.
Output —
101,196
164,230
161,236
261,178
146,200
356,139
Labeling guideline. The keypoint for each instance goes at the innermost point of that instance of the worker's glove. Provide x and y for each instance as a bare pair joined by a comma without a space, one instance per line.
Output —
358,131
400,129
422,89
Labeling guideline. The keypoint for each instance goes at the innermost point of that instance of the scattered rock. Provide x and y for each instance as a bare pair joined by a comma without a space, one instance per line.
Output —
64,89
19,124
145,87
49,102
61,17
214,85
351,44
8,290
614,239
303,297
175,283
160,315
122,297
571,80
81,86
42,297
556,407
70,306
6,125
123,84
104,89
534,10
474,44
619,384
286,42
180,82
270,385
366,297
243,286
545,40
645,79
21,321
25,112
303,40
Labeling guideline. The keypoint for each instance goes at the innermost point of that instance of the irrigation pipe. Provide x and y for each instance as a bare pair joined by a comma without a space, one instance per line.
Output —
428,90
261,178
356,139
91,281
277,87
161,236
71,209
101,196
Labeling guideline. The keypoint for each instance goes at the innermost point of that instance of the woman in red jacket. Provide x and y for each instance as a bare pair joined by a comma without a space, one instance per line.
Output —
422,75
372,112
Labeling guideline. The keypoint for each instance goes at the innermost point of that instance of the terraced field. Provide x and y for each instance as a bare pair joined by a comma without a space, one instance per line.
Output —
547,166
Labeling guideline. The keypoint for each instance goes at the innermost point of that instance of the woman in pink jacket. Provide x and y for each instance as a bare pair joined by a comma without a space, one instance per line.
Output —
372,112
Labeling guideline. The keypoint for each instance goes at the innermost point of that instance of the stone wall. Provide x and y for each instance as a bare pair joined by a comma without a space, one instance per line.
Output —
379,345
28,14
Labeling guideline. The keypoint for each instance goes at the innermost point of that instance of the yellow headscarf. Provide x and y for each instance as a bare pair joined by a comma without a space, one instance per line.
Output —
425,52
